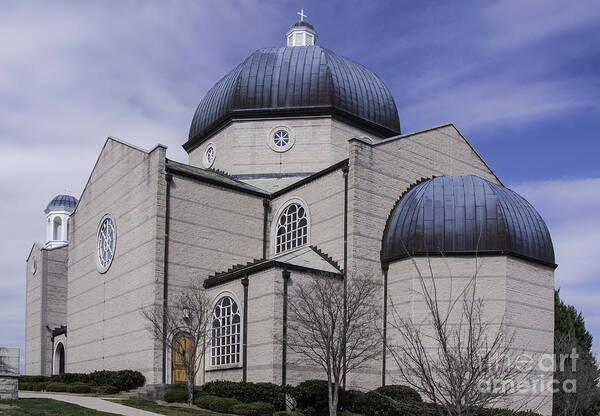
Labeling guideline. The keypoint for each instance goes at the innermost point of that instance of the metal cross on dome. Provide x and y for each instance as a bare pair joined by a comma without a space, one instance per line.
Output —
302,15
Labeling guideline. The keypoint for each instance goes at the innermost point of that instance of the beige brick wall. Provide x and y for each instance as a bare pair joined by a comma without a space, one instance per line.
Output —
324,199
265,329
211,229
379,173
45,306
33,314
516,292
242,147
105,327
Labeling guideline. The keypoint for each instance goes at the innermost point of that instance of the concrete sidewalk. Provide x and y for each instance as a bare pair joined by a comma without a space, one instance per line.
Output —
95,403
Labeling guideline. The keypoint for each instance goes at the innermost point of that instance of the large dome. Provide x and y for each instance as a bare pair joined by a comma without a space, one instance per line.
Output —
297,81
465,215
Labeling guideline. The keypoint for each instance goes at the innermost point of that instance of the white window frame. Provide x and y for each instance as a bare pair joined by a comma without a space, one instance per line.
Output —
55,363
275,221
281,149
209,163
209,358
101,267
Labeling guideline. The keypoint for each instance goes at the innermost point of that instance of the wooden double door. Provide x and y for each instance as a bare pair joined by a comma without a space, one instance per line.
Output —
183,347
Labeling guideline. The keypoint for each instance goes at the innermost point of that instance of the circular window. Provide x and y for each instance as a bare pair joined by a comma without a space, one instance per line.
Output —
209,155
280,139
106,242
34,265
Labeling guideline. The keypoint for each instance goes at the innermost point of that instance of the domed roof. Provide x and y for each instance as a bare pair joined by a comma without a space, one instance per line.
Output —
297,81
62,203
465,215
301,24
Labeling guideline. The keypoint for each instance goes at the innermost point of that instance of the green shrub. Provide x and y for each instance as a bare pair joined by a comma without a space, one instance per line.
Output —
177,395
122,379
68,378
33,386
215,403
33,379
223,404
204,400
79,388
350,398
246,392
58,387
348,413
403,394
312,397
253,409
27,386
105,389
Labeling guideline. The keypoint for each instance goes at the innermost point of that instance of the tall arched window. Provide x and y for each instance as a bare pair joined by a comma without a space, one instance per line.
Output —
226,332
292,228
57,234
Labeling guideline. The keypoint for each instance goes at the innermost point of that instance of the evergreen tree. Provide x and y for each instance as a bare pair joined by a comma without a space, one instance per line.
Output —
577,388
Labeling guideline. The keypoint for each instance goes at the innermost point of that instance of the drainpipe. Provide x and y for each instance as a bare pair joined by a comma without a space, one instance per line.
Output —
245,338
385,268
345,170
266,205
286,277
169,179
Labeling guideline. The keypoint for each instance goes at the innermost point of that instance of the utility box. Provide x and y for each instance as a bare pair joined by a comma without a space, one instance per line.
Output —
9,373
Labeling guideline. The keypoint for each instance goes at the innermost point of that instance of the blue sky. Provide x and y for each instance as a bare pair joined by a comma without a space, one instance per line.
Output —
520,79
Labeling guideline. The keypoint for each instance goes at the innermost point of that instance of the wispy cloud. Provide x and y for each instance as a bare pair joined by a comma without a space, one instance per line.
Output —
571,209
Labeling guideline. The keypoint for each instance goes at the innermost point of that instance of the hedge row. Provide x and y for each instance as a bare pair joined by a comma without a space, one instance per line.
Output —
69,388
122,379
311,397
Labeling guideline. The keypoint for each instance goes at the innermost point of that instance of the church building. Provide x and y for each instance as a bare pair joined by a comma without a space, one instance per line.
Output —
297,165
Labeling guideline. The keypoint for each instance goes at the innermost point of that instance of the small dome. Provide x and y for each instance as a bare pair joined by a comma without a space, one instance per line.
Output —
297,81
302,24
62,203
465,215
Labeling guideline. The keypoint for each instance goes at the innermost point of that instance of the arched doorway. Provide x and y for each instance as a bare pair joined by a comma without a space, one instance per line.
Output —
182,348
59,359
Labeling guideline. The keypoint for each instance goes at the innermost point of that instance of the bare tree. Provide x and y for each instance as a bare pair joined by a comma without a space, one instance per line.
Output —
184,327
321,333
576,377
454,357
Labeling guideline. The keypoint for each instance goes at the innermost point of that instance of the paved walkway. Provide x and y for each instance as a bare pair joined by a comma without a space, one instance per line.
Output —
95,403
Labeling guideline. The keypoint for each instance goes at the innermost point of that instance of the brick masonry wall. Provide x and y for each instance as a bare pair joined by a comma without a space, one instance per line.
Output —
46,306
379,173
513,291
265,330
242,147
33,313
324,199
105,327
211,229
9,372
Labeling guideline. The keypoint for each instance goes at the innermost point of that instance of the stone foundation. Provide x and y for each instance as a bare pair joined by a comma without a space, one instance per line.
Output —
9,373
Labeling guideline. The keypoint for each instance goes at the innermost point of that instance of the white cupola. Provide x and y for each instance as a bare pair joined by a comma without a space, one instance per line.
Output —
301,33
58,212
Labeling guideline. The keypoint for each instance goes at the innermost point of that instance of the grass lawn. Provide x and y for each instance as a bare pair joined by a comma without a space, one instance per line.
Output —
165,410
45,407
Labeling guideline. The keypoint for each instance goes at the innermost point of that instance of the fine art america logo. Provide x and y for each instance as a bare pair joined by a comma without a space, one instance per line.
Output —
528,373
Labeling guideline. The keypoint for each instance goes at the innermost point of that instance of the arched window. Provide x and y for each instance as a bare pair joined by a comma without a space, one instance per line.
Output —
226,332
57,233
292,228
59,359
